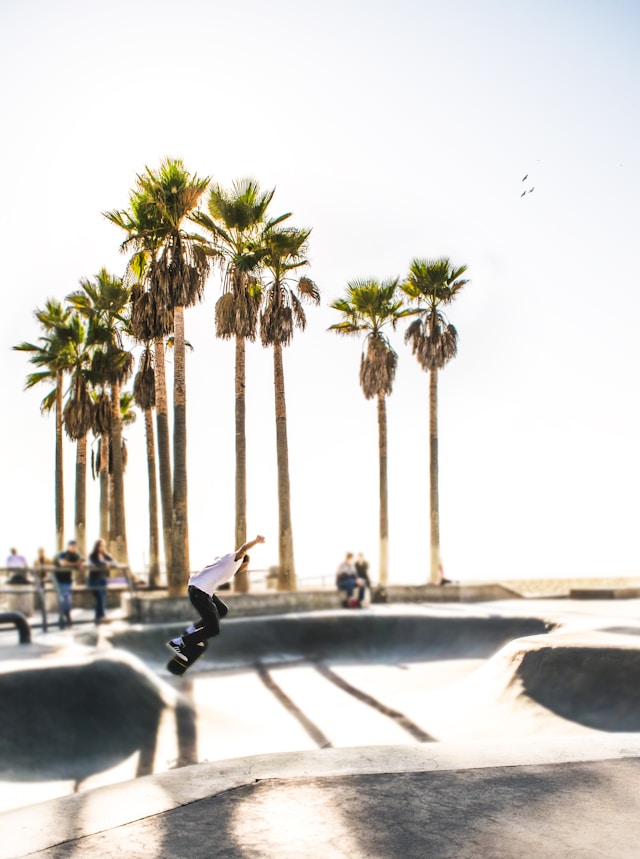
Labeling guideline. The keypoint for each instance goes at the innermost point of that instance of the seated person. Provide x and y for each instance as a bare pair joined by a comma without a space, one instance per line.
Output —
347,580
17,564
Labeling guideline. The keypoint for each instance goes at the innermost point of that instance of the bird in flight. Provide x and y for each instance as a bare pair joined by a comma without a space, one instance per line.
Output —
526,191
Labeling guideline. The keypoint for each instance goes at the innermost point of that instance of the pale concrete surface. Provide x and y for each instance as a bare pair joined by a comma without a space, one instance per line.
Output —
521,767
561,797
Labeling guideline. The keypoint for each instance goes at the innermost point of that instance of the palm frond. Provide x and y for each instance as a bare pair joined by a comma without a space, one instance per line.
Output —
377,368
308,290
144,383
102,414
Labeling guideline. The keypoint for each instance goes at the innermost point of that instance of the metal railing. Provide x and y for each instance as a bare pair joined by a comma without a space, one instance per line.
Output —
43,580
20,622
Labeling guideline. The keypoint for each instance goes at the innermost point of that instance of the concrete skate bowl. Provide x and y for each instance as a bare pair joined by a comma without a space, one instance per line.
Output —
595,686
545,685
76,714
69,720
372,638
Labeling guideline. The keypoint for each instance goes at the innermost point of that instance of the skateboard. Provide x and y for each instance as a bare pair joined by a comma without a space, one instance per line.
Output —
178,667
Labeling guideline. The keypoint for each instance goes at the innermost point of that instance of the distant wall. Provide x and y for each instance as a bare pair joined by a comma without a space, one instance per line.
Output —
562,586
159,608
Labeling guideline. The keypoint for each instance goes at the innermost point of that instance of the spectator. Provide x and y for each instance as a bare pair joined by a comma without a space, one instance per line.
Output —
66,563
42,564
347,581
362,570
100,562
18,564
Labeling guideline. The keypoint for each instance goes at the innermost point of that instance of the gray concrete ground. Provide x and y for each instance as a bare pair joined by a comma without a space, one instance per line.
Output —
506,739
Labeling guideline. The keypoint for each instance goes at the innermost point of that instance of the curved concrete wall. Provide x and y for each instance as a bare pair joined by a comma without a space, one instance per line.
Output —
339,636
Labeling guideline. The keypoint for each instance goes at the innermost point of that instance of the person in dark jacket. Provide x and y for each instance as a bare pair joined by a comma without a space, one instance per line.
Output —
66,563
100,562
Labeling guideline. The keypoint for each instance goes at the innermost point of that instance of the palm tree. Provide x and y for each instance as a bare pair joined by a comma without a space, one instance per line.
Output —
127,416
144,392
432,284
100,463
104,302
235,219
79,417
150,320
176,278
367,307
283,254
51,354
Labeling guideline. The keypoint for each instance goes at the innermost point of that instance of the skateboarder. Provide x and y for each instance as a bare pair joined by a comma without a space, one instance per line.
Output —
211,609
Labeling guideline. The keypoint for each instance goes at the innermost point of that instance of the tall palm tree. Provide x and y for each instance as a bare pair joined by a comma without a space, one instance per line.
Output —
104,302
79,417
234,219
283,255
367,307
151,319
51,353
144,392
100,462
176,278
127,416
431,285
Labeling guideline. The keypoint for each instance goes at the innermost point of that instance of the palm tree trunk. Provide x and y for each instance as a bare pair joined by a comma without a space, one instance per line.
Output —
59,483
112,509
81,495
154,536
241,581
180,566
384,490
433,477
286,566
117,470
164,450
105,504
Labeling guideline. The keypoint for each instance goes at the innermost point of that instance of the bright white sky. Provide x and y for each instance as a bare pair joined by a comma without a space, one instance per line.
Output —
394,130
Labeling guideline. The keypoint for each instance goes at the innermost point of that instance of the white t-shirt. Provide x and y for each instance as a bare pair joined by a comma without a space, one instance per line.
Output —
222,570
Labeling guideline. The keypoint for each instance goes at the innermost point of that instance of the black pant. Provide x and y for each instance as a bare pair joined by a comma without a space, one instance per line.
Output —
211,610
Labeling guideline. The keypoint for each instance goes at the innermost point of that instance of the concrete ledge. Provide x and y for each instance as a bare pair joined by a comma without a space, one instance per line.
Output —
157,607
604,593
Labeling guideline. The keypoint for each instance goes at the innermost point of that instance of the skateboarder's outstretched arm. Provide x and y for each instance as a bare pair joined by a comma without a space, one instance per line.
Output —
248,545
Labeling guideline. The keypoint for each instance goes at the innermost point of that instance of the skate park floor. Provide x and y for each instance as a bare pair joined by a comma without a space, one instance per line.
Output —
466,730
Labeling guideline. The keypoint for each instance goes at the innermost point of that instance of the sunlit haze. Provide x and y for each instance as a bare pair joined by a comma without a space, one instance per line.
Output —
393,130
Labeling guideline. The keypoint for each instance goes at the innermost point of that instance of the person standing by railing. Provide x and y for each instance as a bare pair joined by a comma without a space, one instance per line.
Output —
66,563
100,562
42,564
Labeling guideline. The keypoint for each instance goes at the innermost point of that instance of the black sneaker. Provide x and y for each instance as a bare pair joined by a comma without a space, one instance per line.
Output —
177,650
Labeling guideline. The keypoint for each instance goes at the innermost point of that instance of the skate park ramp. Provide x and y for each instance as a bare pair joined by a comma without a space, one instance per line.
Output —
559,684
402,676
67,719
592,680
340,636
